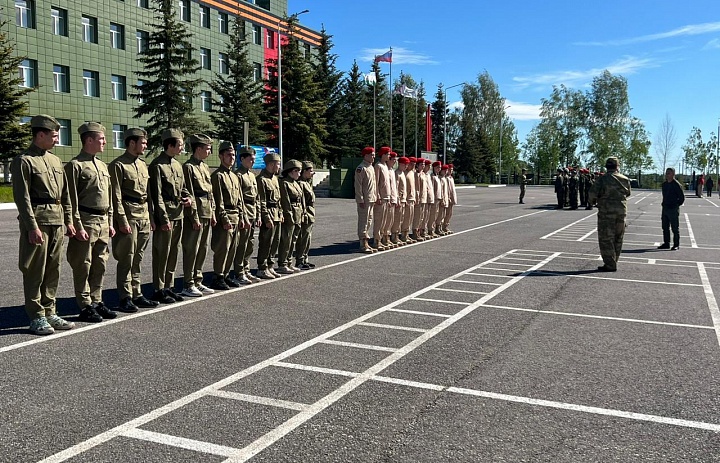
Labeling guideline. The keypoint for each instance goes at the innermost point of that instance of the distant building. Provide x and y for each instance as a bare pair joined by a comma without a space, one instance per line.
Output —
81,55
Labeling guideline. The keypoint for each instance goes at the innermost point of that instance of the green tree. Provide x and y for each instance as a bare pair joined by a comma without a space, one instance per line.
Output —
238,95
608,117
665,142
408,113
637,155
14,136
355,116
562,123
168,83
699,153
330,96
438,116
380,95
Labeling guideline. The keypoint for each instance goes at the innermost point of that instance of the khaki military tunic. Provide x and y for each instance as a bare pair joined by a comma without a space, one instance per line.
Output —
381,211
611,192
249,207
292,201
43,202
420,200
202,211
129,178
89,187
270,212
302,247
226,193
167,189
411,197
393,204
401,188
365,197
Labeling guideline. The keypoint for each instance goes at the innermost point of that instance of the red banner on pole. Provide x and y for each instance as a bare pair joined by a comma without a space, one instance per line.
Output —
428,130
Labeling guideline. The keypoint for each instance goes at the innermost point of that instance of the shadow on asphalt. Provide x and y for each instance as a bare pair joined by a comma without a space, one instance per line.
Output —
334,249
551,273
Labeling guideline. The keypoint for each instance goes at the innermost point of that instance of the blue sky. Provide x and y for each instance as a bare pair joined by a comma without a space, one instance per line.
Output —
667,50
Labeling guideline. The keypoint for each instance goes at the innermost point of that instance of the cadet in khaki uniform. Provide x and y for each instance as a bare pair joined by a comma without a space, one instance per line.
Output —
169,196
249,218
393,204
270,216
302,247
87,252
611,192
226,192
129,177
43,204
291,201
365,197
401,182
199,217
452,199
420,199
443,203
381,209
410,195
429,216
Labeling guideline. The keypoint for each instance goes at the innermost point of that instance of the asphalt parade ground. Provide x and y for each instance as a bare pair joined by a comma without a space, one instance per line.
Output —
500,342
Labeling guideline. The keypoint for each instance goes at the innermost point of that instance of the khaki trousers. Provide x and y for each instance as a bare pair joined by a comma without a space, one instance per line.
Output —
40,267
128,250
268,242
407,219
365,220
448,216
224,245
244,250
380,218
398,213
194,246
289,233
88,260
440,216
430,217
418,216
302,247
611,231
165,250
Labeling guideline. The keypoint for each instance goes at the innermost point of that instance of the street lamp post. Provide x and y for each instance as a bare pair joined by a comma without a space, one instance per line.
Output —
445,120
502,114
279,74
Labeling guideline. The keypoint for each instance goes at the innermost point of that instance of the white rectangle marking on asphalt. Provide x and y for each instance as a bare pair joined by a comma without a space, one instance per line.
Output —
712,302
566,227
323,370
487,275
180,442
256,399
358,345
427,299
393,327
693,243
477,282
459,291
619,279
420,312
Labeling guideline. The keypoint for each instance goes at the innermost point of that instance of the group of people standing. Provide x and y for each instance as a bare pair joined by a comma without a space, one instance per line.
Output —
571,182
404,205
123,202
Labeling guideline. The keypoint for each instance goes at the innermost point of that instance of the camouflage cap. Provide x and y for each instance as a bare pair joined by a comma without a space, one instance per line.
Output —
226,145
200,138
270,157
135,132
43,121
91,127
307,165
612,162
171,133
292,164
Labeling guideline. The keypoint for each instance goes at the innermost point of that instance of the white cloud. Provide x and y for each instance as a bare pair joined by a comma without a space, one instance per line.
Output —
517,111
400,55
712,45
574,78
692,29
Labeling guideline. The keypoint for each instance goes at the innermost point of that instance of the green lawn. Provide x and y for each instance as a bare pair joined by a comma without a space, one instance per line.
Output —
6,194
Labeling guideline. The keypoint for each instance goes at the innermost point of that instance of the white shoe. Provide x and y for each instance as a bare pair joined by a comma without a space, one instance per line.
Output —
244,280
41,326
251,277
294,268
265,275
284,270
191,291
274,273
204,289
59,324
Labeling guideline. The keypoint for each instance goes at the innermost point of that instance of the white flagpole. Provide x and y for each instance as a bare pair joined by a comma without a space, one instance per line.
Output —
374,105
416,123
391,97
403,95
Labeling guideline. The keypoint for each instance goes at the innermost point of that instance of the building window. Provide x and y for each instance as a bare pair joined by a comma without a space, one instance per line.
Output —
205,59
64,133
143,38
206,101
90,83
224,63
185,10
205,16
223,22
257,72
117,36
257,35
89,28
307,50
28,73
61,78
59,21
143,3
117,85
270,38
25,13
118,138
139,85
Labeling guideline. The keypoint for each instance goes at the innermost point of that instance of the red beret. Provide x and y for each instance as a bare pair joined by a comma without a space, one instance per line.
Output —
368,150
412,160
437,164
450,166
384,150
445,167
404,160
427,162
393,154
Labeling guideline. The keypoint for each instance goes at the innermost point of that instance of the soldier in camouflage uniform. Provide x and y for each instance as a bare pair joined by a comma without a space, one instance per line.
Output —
270,216
302,247
249,218
610,192
291,201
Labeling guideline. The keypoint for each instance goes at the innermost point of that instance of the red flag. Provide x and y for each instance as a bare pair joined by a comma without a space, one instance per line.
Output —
385,57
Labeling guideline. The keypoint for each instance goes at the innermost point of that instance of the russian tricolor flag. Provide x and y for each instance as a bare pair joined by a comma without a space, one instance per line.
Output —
385,57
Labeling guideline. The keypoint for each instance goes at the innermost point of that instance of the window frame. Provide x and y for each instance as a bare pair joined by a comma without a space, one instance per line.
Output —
61,78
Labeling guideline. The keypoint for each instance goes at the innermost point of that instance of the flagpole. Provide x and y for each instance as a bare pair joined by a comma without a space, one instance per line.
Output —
391,98
374,114
403,90
416,124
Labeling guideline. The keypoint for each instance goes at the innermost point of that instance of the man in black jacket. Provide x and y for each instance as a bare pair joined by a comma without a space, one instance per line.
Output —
673,198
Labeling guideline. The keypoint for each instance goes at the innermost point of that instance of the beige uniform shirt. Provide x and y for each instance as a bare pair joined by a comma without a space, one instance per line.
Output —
401,187
40,190
365,185
129,178
167,188
392,175
421,186
250,195
89,187
269,193
429,187
437,188
445,202
199,186
452,193
411,194
309,198
291,198
382,180
226,192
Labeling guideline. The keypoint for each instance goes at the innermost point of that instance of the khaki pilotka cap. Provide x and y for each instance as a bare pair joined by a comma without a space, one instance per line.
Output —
172,133
43,121
226,145
292,164
307,165
134,132
200,138
91,127
270,157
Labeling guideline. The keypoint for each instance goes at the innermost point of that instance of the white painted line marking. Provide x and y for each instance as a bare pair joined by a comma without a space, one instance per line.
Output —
712,302
690,232
599,317
503,269
420,312
566,227
357,345
477,282
393,327
519,265
327,371
180,442
642,198
458,291
651,261
587,235
560,274
256,399
427,299
487,275
711,202
521,258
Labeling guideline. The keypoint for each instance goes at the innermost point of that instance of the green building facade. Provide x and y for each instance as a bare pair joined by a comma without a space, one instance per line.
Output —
82,55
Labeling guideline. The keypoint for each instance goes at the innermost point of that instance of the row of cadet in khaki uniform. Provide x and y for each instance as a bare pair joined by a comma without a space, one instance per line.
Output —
405,205
127,199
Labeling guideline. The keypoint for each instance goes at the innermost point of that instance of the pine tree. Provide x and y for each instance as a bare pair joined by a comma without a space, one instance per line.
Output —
14,136
330,96
356,115
169,86
238,94
381,94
